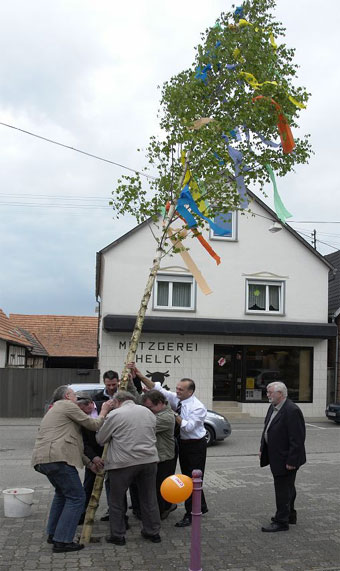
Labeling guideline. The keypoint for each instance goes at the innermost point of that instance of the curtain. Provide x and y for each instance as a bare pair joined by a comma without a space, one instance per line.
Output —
181,294
274,298
257,297
163,294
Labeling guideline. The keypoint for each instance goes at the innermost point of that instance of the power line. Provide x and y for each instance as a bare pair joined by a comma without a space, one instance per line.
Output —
57,196
314,221
77,150
77,206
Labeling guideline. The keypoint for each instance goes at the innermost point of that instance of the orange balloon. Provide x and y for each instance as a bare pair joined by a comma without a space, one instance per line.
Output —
177,488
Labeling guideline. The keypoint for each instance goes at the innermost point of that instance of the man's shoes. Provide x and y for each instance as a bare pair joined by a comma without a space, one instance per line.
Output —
60,547
50,538
185,522
274,526
204,510
154,538
167,512
105,517
115,540
292,520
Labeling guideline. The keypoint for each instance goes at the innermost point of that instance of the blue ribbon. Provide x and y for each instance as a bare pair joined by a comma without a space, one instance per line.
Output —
202,74
239,12
267,142
237,157
186,199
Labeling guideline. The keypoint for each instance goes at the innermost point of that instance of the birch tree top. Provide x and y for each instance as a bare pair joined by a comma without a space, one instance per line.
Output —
229,112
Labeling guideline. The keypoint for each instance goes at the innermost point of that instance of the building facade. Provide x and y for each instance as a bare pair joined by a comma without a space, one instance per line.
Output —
265,320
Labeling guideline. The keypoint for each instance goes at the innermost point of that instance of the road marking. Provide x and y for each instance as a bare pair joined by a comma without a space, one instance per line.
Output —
315,426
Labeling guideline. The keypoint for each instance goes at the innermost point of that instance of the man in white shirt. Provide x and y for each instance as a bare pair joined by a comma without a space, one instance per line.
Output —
190,415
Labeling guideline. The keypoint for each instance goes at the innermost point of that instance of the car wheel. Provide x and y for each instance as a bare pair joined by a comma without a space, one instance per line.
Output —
209,435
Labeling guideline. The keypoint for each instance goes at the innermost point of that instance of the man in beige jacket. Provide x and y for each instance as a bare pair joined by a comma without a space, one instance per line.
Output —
57,454
131,455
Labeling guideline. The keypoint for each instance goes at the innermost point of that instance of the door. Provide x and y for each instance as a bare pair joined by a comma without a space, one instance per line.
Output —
227,380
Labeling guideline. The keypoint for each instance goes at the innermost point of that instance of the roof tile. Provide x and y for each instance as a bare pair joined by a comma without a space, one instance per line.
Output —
61,335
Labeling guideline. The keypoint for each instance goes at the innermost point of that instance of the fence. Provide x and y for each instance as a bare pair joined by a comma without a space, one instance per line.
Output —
24,392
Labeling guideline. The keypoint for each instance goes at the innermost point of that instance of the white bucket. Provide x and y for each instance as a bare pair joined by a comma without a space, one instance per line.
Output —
18,502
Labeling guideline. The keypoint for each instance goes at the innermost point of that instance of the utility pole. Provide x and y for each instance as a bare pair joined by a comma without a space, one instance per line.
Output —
314,239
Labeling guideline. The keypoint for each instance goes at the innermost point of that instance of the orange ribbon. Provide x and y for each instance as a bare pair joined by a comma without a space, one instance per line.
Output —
286,136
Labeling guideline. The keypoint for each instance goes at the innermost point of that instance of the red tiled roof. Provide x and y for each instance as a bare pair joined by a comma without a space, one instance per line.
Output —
61,335
10,333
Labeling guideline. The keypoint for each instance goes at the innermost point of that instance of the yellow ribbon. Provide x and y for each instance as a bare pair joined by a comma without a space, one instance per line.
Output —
195,191
242,23
237,55
251,79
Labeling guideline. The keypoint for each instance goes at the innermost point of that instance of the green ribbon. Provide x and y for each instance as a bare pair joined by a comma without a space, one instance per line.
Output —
280,209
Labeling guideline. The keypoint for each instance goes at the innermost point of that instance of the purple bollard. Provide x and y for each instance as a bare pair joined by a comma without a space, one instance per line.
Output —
195,551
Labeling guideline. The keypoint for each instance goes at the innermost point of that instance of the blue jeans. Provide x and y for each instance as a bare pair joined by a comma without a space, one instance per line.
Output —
68,502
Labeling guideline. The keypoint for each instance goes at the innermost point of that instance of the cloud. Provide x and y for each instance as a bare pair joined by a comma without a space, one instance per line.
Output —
86,73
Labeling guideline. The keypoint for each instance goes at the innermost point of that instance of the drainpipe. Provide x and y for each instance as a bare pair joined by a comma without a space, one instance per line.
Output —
334,316
98,310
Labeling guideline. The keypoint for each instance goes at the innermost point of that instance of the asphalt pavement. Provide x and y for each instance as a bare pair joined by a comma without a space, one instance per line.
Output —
240,497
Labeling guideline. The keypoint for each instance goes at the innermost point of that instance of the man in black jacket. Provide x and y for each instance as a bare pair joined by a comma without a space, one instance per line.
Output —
283,448
91,449
111,382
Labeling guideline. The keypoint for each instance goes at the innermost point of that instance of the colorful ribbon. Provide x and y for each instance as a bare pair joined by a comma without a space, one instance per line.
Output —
186,199
280,208
251,80
202,74
189,262
285,132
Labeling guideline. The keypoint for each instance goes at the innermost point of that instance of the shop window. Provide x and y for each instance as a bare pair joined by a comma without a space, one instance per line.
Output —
264,297
291,365
228,222
174,292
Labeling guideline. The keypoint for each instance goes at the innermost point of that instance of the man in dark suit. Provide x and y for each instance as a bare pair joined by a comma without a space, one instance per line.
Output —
91,449
111,382
283,448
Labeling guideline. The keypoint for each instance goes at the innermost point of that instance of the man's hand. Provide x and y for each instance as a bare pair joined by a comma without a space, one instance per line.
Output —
134,371
91,466
98,462
107,406
290,467
147,382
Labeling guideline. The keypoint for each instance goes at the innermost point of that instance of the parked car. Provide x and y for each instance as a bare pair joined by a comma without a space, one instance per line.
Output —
264,376
217,426
333,412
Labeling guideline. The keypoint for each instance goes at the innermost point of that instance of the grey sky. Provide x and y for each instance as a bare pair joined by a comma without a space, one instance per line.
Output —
86,73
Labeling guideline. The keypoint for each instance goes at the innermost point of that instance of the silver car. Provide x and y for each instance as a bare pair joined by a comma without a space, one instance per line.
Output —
217,426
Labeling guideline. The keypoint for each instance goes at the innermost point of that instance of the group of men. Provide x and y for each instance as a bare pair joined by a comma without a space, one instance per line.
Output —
145,435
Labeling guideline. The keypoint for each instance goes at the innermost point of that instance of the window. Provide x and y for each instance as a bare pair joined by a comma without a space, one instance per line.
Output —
228,222
264,297
292,366
243,372
174,292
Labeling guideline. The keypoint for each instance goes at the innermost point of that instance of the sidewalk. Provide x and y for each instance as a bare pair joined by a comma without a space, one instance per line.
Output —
240,500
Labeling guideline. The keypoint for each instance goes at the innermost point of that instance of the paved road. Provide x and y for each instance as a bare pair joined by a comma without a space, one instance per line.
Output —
240,497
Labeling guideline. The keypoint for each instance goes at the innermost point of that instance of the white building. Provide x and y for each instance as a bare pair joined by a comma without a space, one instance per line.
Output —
266,318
